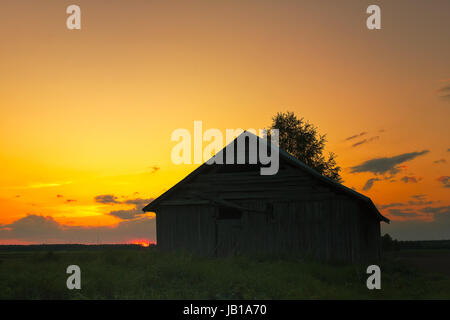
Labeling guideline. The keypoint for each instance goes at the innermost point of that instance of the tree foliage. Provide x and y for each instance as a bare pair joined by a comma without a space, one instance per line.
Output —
301,139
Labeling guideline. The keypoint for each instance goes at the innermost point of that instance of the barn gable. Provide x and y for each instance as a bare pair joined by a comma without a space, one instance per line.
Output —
227,185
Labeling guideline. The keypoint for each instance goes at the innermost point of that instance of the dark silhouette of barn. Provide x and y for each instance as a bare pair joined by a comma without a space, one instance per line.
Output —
223,209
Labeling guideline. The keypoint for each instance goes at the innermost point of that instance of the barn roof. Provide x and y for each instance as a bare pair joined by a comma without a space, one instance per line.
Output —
292,160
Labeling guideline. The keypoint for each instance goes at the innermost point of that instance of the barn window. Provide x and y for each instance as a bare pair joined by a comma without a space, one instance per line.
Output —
229,213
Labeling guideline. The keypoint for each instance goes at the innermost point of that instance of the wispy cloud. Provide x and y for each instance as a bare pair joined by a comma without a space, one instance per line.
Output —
43,185
125,214
106,199
445,180
154,169
405,213
391,205
411,179
369,183
135,212
355,136
444,92
419,196
365,141
436,210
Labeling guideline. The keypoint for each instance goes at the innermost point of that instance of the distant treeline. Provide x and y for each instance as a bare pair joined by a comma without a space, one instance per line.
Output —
68,247
389,244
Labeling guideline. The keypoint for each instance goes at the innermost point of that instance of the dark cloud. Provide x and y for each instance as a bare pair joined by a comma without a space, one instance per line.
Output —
133,213
445,180
390,205
31,227
106,199
420,203
356,136
154,169
444,92
365,141
445,89
385,165
440,161
405,213
138,201
412,179
436,210
369,183
40,229
59,196
127,214
419,196
70,200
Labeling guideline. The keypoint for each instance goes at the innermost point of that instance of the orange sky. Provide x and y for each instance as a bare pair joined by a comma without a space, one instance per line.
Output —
90,112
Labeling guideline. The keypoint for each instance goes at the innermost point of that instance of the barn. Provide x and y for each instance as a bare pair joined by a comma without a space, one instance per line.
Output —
231,209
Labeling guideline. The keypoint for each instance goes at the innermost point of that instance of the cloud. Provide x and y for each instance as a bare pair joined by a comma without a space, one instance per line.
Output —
369,183
356,136
154,169
419,196
444,92
427,211
419,203
59,196
445,180
31,227
133,213
411,179
436,210
365,141
444,89
390,205
440,161
127,214
106,199
40,229
70,200
44,185
138,201
405,213
386,164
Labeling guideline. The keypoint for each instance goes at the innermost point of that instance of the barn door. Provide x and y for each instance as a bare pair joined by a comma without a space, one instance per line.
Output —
228,231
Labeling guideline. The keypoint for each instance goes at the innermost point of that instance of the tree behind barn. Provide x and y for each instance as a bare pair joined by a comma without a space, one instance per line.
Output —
301,139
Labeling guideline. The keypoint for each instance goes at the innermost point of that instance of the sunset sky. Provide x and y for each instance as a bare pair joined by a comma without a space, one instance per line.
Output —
87,115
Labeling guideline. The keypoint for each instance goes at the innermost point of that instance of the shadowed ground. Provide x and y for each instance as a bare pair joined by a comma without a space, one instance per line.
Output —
144,273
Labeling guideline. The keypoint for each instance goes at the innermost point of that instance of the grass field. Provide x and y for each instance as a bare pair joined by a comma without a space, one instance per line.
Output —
145,273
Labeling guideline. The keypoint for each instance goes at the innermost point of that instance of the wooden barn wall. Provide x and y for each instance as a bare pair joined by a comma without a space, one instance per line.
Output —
325,230
190,228
307,219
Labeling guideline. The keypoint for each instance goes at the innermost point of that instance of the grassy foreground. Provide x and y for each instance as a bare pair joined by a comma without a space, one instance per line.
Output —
148,274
